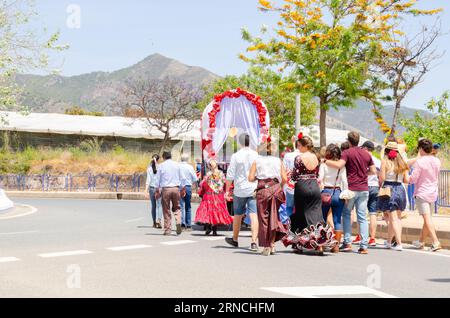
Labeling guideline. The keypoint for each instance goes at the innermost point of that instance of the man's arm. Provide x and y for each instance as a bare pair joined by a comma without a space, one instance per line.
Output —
336,164
372,170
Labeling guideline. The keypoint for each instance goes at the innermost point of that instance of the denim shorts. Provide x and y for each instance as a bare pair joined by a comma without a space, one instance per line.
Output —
373,200
242,206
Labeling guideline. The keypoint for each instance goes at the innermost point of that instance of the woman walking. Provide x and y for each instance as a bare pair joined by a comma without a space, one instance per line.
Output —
150,188
392,198
334,182
213,208
270,173
308,219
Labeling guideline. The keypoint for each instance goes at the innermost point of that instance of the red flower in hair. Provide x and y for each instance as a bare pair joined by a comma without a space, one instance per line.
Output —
392,154
300,136
269,139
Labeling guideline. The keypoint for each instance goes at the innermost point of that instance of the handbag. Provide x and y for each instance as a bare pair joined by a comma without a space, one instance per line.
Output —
327,197
385,193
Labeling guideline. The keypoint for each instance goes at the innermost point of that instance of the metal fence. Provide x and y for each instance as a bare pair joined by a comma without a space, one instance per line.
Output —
74,183
443,194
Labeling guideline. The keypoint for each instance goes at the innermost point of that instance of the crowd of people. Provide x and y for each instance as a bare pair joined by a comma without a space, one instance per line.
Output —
303,198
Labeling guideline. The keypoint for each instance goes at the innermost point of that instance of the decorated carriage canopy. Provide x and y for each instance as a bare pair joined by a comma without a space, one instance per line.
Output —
232,113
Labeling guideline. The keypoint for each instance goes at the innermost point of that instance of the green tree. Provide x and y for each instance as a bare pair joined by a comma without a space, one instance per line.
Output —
329,45
21,47
277,93
77,110
436,128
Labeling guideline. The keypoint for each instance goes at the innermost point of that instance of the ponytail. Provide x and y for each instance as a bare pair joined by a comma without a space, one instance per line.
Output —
154,160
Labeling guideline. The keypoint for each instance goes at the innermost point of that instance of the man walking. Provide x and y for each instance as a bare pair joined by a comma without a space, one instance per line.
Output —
374,188
188,180
168,182
359,165
243,199
425,177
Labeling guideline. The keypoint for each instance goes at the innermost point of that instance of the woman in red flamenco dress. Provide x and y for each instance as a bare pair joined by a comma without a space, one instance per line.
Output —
213,208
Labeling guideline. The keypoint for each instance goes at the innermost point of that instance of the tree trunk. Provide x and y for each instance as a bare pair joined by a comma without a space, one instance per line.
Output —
323,124
395,118
164,143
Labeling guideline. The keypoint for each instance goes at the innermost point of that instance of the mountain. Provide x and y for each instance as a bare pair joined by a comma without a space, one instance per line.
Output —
362,119
96,91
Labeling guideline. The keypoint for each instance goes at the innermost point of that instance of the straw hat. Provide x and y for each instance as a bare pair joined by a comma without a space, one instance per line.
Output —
392,146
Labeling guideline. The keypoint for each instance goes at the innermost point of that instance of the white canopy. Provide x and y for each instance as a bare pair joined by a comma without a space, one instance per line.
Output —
91,126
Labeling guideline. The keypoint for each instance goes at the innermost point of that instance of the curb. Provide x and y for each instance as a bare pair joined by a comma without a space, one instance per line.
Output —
134,196
410,234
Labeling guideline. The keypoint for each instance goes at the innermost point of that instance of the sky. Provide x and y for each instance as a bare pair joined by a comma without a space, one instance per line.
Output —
108,35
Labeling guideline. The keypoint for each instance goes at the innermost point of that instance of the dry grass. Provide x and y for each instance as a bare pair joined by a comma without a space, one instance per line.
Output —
75,161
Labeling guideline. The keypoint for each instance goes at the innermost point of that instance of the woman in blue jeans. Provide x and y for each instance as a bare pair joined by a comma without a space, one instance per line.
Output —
150,188
333,181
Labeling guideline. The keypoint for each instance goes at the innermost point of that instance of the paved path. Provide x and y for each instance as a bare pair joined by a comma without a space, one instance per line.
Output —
108,249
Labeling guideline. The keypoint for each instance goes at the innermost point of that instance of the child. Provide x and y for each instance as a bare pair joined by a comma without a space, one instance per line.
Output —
213,208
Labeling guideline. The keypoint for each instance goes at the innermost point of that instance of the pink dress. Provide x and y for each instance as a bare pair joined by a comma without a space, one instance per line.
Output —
213,208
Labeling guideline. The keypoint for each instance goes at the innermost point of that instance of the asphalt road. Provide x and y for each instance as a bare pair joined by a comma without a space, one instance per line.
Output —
78,248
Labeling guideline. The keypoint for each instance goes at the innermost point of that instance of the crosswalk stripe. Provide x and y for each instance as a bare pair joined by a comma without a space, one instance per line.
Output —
317,291
172,243
220,238
66,253
8,259
128,248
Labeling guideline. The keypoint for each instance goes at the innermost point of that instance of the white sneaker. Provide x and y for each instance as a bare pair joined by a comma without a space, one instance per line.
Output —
387,245
397,248
419,245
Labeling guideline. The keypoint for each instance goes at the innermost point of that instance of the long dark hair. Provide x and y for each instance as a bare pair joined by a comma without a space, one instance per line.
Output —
155,159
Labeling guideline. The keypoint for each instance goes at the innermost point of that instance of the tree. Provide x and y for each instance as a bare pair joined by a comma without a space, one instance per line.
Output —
436,128
328,45
276,92
403,64
77,110
20,47
167,105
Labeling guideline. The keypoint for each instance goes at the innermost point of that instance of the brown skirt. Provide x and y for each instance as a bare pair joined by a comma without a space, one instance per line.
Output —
269,198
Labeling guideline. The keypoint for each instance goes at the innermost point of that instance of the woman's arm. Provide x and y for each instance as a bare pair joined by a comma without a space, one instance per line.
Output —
283,175
336,164
383,171
252,173
406,177
344,180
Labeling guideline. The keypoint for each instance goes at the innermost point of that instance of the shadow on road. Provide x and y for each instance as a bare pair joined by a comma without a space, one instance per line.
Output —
440,280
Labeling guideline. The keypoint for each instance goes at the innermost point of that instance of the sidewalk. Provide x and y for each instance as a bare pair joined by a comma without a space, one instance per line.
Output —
412,226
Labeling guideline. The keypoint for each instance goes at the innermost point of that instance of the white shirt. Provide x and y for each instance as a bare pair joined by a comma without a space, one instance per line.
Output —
289,159
373,180
289,162
168,174
238,171
268,167
328,175
188,175
151,177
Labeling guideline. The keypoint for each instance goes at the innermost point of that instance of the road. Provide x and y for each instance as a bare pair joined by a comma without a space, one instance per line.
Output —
88,248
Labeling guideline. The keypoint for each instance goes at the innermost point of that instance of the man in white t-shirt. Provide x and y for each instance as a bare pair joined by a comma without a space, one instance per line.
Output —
244,200
289,161
374,188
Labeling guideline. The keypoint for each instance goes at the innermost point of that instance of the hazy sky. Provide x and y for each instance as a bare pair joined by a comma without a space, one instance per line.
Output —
114,34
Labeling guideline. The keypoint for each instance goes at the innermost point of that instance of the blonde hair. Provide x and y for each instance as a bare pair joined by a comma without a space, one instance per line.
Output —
398,165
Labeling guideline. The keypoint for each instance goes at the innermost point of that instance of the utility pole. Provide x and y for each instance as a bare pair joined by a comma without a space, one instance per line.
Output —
297,114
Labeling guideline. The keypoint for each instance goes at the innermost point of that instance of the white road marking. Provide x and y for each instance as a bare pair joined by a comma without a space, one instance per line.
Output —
128,248
426,253
317,291
67,253
19,233
172,243
215,238
31,211
134,220
8,259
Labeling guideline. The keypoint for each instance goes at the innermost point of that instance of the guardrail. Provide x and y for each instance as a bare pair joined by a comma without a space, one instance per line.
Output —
443,193
74,183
